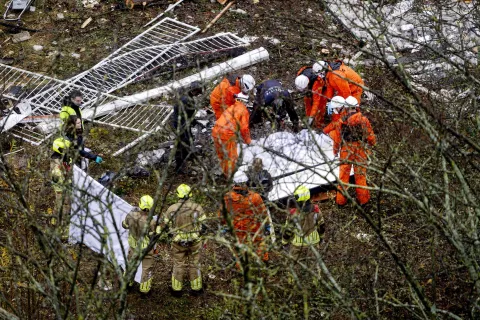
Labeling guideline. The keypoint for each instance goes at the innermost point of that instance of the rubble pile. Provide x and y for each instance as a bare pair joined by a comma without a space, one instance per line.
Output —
426,40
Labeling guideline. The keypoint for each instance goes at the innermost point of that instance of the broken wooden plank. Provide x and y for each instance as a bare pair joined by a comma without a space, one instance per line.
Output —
218,16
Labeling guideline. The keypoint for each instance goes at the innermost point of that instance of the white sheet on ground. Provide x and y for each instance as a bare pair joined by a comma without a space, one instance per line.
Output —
305,158
96,219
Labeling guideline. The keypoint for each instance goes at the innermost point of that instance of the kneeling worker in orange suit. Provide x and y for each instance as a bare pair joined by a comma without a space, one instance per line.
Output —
223,96
234,121
245,211
314,86
356,135
340,79
337,110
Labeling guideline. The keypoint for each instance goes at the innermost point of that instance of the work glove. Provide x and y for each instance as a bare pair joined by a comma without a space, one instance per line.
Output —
267,230
203,230
310,121
98,159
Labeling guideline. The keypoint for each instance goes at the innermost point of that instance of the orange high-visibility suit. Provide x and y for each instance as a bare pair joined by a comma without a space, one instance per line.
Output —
223,95
232,122
353,132
337,83
315,100
248,212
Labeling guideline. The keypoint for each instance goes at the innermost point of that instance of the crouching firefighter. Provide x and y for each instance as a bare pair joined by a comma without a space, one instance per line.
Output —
304,228
139,234
184,222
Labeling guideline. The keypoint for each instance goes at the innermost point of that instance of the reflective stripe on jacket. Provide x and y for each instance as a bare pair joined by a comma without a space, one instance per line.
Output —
184,219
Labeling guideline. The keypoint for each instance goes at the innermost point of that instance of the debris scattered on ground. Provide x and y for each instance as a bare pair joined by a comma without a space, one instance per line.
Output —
7,61
138,172
201,114
90,4
21,36
107,178
75,55
222,1
150,157
37,47
60,16
239,11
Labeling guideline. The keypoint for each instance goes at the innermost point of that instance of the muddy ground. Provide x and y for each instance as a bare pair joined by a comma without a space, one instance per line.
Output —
351,250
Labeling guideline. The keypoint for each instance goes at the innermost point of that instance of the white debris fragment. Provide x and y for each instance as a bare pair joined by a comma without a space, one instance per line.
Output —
150,157
407,27
86,23
239,11
201,113
37,47
337,46
75,55
204,130
273,41
309,10
250,38
60,16
203,122
21,36
364,237
90,4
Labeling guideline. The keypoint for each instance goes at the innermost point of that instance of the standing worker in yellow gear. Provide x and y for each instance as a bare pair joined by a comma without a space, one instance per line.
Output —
304,227
66,149
139,234
184,221
71,107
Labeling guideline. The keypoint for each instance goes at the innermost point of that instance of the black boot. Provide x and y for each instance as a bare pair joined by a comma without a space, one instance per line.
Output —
176,293
197,293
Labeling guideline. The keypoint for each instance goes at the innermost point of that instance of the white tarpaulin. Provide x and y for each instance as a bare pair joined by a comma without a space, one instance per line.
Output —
96,219
305,158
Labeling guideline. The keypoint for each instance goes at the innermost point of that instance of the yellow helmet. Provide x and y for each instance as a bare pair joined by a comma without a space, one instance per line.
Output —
183,191
302,194
146,202
60,144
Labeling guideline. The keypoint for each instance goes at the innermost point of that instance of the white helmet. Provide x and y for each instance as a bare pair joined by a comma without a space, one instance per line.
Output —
351,102
301,82
320,66
242,97
247,83
240,177
336,104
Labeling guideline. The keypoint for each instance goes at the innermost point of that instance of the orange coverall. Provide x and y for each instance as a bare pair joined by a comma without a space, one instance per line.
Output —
351,134
225,134
248,212
315,101
338,85
223,96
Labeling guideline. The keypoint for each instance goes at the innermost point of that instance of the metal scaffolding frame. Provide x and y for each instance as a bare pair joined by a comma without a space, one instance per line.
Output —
41,96
144,118
113,74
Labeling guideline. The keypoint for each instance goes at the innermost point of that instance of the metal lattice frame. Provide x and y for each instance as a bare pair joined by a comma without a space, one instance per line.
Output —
124,69
144,119
148,51
43,94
